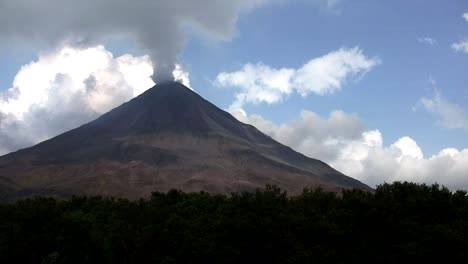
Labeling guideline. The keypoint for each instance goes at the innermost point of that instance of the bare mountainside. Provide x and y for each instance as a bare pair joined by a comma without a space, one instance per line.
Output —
168,137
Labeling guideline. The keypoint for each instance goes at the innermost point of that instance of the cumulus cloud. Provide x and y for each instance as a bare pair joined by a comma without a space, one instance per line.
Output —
465,16
448,114
461,46
68,88
158,26
182,76
323,75
258,83
343,141
427,41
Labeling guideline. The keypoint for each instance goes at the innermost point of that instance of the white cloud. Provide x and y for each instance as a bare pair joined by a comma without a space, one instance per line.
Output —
327,74
465,16
427,40
181,75
344,142
259,83
448,114
461,46
323,75
67,88
407,147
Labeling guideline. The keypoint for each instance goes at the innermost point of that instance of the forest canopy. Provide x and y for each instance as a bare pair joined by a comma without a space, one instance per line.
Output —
397,222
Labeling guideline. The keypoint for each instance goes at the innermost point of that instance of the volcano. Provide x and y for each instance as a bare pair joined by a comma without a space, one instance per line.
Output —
167,138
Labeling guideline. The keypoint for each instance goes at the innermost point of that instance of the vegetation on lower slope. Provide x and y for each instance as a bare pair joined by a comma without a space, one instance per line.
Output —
398,222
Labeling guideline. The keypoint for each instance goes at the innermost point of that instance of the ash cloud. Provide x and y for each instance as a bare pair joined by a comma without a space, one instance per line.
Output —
158,26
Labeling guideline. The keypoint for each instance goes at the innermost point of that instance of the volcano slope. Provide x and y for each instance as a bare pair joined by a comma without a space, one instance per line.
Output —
167,138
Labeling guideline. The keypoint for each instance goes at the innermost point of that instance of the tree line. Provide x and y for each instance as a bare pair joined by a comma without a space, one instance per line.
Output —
397,222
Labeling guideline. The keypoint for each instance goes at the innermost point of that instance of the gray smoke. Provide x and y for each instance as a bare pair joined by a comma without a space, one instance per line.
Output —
159,26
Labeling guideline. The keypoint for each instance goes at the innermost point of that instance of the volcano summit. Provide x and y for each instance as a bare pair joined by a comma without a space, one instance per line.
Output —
168,137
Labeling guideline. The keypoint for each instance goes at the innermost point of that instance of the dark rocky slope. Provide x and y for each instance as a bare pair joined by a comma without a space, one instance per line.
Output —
168,137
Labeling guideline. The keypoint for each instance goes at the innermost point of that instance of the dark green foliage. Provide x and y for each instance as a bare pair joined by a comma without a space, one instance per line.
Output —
398,222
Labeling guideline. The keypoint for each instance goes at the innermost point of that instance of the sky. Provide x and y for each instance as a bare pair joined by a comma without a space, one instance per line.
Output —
377,89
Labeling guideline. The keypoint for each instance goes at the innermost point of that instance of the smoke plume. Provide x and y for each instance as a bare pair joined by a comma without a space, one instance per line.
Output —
158,26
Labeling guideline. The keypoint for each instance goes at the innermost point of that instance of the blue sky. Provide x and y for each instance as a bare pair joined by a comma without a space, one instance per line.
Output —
289,35
417,89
